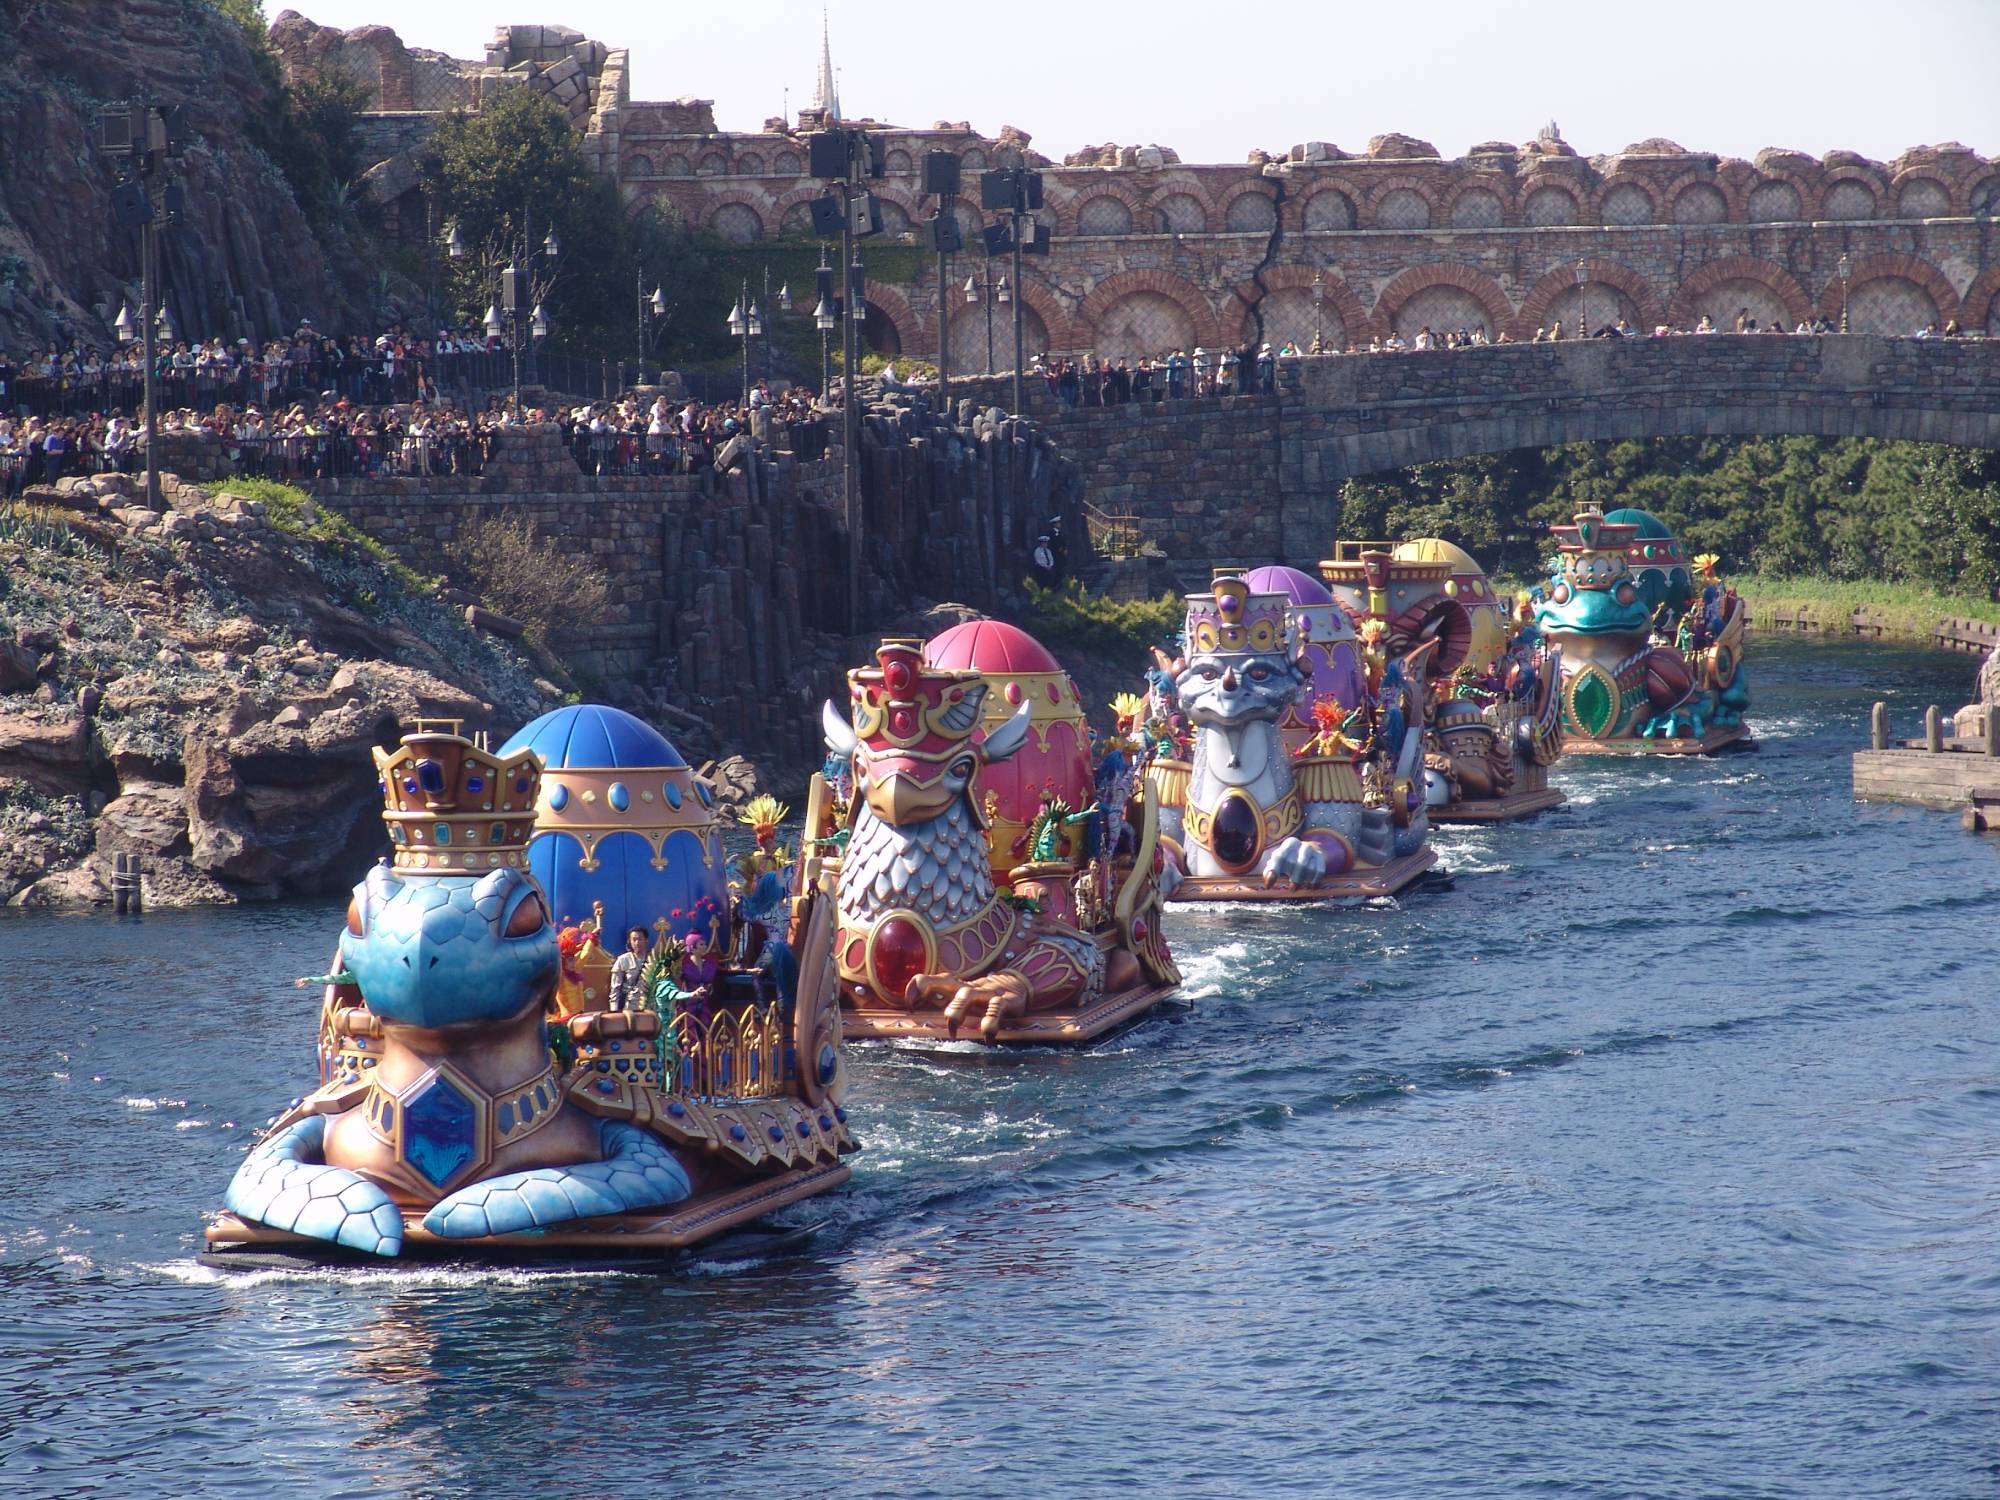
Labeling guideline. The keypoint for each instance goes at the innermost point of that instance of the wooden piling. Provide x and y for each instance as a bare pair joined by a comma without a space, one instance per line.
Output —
1878,726
127,894
1933,730
1993,729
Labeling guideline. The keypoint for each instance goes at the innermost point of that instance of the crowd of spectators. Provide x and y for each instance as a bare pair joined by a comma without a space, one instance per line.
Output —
633,435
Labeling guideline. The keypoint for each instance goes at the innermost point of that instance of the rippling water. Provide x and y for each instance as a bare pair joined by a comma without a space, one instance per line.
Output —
1658,1157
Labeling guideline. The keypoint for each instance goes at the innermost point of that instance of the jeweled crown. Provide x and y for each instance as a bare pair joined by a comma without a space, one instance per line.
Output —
1232,617
1590,532
452,805
903,707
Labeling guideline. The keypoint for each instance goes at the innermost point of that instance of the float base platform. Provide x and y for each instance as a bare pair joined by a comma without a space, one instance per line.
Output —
1047,1028
1355,885
1724,737
631,1241
1499,809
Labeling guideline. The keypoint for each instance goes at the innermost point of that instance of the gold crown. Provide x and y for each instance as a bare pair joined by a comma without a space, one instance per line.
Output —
454,806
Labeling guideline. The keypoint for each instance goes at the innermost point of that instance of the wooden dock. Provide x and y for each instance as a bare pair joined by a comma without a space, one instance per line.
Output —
1952,633
1940,770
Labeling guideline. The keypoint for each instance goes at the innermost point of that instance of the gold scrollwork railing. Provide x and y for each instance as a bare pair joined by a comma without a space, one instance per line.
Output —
733,1054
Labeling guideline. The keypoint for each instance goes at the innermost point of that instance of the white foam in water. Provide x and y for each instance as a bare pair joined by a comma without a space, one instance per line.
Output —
156,1104
193,1273
189,1124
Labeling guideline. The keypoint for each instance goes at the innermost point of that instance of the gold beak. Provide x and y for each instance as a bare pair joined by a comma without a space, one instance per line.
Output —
900,800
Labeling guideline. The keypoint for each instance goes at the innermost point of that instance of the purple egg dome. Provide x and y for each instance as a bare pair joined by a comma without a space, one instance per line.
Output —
1299,588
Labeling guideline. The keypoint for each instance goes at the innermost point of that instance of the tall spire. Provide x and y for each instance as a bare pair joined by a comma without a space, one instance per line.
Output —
828,102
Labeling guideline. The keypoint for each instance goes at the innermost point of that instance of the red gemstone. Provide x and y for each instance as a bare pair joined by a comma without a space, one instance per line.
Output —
902,722
899,675
1140,930
899,955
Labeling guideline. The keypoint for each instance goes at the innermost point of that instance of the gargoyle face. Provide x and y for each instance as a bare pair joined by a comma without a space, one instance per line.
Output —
1224,689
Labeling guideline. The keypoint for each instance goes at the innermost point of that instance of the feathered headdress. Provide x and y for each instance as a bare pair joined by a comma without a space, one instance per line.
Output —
762,814
1128,707
1706,566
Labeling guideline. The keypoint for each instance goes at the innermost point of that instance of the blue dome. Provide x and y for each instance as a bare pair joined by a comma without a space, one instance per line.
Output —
633,892
593,735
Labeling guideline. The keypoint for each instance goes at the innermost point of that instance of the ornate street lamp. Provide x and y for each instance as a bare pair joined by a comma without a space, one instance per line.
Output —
1583,300
454,243
123,327
1845,267
552,247
740,327
492,324
1319,312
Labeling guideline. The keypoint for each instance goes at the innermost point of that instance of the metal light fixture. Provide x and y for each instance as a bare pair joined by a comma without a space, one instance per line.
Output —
539,322
736,319
785,297
1845,267
552,247
123,327
659,303
1582,301
492,322
756,322
1003,293
823,318
165,325
454,244
972,291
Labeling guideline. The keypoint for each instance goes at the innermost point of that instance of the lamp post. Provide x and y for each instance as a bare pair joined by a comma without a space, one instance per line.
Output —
657,306
1319,312
1582,300
746,325
516,292
147,198
978,290
824,317
1845,267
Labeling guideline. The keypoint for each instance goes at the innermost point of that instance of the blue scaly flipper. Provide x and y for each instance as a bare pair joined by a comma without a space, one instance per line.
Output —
282,1185
637,1172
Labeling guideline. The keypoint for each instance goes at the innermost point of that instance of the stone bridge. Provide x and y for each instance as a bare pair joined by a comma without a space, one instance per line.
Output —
1250,477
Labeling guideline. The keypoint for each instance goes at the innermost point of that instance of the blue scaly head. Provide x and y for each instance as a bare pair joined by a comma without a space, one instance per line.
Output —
444,950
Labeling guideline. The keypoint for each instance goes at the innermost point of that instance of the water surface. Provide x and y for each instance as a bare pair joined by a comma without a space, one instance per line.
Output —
1656,1158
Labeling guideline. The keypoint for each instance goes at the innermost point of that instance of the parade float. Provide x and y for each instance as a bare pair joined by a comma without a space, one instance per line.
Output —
1287,748
1495,716
546,1036
988,879
1649,665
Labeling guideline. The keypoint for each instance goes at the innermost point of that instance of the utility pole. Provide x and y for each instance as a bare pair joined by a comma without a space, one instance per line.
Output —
146,136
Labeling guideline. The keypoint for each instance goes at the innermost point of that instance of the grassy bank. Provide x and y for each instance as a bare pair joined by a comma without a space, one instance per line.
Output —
1903,609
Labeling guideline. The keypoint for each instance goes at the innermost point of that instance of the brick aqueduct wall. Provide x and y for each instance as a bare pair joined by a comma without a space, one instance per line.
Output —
1150,252
729,592
1257,478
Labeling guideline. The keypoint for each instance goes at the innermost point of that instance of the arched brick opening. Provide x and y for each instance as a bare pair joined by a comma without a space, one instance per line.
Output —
1288,299
1400,203
1476,205
1113,289
792,211
1686,306
892,321
1176,210
968,338
1891,294
1626,200
1554,296
1329,207
1094,210
1777,200
1922,196
735,219
1249,210
1397,296
1850,193
1980,308
1547,203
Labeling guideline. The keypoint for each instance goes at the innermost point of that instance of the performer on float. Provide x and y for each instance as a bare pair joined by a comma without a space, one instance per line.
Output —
1249,819
761,815
977,887
1624,690
478,1094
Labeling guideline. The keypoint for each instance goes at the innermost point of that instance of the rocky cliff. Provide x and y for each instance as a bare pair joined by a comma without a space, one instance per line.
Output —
201,688
244,262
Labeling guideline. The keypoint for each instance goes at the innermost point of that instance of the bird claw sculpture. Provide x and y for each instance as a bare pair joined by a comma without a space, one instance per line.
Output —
638,1172
286,1184
1005,997
1295,862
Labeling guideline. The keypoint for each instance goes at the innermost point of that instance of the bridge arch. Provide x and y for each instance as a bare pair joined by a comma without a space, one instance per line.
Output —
1694,295
1557,286
1891,294
1399,302
1135,294
1287,298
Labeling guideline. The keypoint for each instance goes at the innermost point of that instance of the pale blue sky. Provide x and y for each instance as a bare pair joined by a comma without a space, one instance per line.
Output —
1212,78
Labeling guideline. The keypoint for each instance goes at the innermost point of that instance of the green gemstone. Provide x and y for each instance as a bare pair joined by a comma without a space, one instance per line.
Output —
1594,702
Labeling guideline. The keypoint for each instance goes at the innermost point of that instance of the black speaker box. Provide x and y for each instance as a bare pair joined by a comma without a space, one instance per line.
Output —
941,173
996,190
946,237
1036,243
826,153
826,216
998,238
